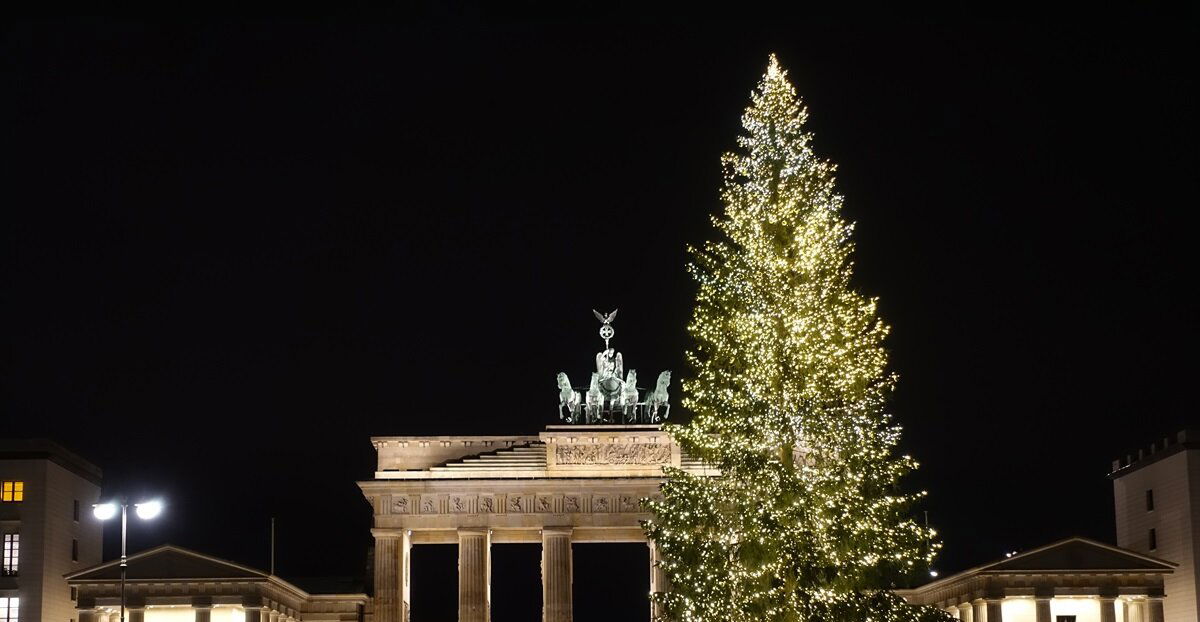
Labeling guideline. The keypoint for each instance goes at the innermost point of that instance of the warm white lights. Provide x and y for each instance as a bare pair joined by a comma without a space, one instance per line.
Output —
149,509
786,354
104,511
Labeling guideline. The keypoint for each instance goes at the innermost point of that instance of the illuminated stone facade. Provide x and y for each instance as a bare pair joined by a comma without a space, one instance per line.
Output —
1157,502
568,484
51,525
172,584
1075,580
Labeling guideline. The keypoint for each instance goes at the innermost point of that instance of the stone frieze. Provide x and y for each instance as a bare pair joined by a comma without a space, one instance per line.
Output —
626,453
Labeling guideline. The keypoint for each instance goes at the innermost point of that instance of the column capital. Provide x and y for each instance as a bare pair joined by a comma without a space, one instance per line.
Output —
558,531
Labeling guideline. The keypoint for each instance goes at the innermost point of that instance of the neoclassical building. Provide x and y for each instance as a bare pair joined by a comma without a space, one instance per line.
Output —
583,482
569,484
1073,580
173,584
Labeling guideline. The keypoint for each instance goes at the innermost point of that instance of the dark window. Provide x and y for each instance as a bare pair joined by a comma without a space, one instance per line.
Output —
1153,540
1064,618
75,511
74,594
74,550
1149,500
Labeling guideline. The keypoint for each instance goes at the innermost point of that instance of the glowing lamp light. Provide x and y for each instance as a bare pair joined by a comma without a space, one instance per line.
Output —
104,511
148,510
933,573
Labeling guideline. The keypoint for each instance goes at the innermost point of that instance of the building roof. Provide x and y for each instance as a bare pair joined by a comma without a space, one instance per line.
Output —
1072,555
46,449
1074,566
1184,440
1079,554
168,562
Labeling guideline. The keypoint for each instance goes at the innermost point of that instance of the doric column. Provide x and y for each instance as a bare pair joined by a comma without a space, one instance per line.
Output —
993,610
965,612
1137,611
203,614
405,563
1154,607
658,579
980,610
86,615
1108,609
1042,607
557,574
274,616
135,614
387,579
474,575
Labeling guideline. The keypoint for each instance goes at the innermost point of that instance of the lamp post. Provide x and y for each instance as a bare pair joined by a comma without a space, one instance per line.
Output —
144,511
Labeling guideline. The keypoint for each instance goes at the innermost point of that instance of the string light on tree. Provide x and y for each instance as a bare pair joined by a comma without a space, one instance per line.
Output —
806,520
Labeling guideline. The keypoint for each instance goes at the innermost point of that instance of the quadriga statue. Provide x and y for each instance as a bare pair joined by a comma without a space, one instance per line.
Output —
595,400
629,396
568,399
658,398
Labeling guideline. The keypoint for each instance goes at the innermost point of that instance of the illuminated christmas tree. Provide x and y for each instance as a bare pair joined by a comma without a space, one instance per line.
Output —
806,520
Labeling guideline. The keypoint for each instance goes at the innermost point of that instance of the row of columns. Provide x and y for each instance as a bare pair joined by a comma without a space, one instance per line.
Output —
978,611
1140,610
203,613
393,572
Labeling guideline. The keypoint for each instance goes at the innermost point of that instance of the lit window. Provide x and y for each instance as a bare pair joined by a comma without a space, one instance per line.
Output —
8,609
12,491
1149,500
12,554
1153,540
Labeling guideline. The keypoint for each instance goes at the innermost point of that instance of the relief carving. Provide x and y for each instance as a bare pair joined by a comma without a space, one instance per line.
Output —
514,504
543,504
427,506
600,504
628,453
629,503
459,504
486,505
571,504
400,505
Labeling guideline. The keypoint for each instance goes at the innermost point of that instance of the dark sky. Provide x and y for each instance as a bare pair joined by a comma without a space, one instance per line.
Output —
235,251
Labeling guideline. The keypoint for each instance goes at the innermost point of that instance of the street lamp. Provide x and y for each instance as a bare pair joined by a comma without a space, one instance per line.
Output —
144,511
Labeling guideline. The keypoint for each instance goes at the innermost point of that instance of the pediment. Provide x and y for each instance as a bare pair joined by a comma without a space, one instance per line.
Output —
168,562
1079,554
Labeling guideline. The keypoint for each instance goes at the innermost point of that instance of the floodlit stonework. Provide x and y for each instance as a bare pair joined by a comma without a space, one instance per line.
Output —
575,483
173,584
1157,502
49,527
1074,580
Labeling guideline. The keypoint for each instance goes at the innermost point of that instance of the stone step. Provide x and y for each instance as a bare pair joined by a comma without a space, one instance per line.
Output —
498,462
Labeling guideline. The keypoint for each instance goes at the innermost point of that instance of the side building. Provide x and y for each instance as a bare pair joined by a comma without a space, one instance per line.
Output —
47,527
1157,497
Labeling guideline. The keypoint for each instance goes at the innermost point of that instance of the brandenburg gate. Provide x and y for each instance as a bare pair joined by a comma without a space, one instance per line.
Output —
577,482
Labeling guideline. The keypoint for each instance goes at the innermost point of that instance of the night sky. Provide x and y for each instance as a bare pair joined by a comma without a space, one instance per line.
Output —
233,252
